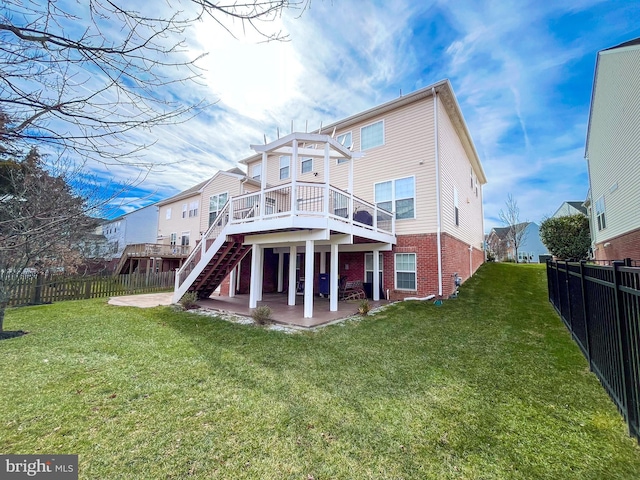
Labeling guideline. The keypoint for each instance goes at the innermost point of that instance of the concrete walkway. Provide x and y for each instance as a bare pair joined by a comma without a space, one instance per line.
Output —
145,300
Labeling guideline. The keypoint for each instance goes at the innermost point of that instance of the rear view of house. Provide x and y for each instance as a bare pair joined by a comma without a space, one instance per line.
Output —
613,153
390,198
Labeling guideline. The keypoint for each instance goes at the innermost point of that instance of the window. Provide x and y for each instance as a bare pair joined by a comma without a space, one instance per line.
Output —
184,211
306,165
471,178
285,162
602,224
368,268
344,140
256,171
456,215
398,193
216,202
168,214
372,135
185,239
174,239
406,271
193,209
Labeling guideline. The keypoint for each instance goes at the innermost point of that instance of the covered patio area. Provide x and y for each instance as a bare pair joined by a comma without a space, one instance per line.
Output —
285,314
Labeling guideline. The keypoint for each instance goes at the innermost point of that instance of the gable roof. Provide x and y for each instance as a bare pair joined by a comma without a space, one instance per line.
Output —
578,206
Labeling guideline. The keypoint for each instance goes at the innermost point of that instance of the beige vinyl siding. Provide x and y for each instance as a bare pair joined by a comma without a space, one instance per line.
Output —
613,148
455,172
177,224
220,183
408,140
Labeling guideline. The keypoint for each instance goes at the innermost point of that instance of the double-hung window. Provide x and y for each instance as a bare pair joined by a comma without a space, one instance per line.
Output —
256,171
185,208
285,163
193,209
602,224
306,165
405,271
372,135
397,194
346,141
216,202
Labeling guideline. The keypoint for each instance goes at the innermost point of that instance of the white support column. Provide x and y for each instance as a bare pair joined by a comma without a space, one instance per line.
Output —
325,206
232,282
376,275
293,253
254,285
263,186
333,279
280,271
260,271
308,278
239,276
294,177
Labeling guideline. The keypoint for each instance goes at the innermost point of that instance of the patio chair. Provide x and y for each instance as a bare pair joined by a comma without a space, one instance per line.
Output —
351,290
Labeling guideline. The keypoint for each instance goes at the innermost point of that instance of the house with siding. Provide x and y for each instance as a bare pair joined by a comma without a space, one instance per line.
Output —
570,208
390,197
613,153
137,226
530,248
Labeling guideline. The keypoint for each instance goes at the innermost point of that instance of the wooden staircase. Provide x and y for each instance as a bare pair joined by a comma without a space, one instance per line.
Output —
230,253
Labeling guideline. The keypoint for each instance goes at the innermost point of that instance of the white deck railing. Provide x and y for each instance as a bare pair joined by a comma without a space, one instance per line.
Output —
311,199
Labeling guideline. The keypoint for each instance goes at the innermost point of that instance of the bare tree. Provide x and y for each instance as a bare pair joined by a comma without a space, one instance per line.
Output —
516,230
78,77
43,219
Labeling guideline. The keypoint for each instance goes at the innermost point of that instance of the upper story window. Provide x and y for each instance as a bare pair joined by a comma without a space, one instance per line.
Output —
306,165
602,224
184,210
372,135
346,141
285,163
398,195
168,214
471,178
256,171
456,215
216,202
193,209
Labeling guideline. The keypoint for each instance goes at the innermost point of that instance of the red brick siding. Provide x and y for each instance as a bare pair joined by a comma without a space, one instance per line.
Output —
621,247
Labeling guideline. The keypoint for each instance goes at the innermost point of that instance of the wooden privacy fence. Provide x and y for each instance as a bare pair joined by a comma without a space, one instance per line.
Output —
600,305
48,288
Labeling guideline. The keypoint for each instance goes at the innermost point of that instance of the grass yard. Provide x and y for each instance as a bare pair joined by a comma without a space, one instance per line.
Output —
487,386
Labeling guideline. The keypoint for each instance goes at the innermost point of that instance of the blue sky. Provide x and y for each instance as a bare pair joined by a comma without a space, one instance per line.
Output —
522,72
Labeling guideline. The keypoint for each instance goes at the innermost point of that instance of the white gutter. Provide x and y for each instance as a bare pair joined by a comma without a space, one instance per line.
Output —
438,214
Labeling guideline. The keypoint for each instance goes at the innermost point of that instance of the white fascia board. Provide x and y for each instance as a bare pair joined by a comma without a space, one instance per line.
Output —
294,237
282,146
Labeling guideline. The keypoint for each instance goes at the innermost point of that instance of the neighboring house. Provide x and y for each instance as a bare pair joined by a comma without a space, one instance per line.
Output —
185,217
613,153
529,250
570,208
138,226
391,197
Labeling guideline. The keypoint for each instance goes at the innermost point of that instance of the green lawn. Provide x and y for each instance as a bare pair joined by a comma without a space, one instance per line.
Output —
489,385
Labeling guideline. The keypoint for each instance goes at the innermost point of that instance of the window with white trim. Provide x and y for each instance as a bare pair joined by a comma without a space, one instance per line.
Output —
368,268
602,224
185,209
168,214
285,163
256,171
184,241
397,194
216,203
346,141
173,239
405,271
471,177
306,165
456,214
193,209
372,135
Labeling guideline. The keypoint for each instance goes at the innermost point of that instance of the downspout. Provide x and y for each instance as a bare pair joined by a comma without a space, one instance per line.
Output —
438,213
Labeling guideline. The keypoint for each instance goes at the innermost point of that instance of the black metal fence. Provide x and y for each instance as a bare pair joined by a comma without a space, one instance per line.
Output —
600,305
